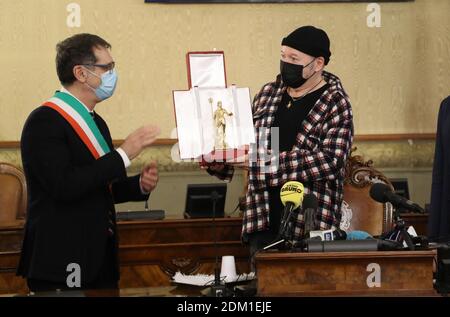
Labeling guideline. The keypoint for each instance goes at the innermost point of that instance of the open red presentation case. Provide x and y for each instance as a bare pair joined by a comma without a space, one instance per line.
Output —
214,121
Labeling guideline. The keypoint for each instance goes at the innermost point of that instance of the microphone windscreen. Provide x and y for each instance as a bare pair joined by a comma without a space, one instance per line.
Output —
292,192
358,235
378,192
310,202
339,234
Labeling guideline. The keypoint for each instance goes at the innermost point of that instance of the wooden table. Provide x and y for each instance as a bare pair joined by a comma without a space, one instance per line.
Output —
389,273
150,251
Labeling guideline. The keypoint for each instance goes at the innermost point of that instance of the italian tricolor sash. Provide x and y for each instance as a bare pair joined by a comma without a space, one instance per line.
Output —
81,121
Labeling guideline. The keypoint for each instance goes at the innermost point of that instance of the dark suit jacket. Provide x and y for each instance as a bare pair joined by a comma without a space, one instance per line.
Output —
69,198
439,221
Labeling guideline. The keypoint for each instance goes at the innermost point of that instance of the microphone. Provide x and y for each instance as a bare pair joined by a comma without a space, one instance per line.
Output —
382,193
291,195
310,205
327,235
342,246
352,245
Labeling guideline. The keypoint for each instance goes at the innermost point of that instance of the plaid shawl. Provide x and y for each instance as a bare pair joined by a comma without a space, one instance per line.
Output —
317,159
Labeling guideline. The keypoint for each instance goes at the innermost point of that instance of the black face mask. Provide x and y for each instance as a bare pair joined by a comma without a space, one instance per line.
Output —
292,74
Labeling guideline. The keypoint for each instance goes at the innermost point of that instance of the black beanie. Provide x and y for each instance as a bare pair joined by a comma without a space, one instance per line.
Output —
311,41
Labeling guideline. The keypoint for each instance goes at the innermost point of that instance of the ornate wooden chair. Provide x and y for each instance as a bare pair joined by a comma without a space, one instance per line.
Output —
359,210
13,194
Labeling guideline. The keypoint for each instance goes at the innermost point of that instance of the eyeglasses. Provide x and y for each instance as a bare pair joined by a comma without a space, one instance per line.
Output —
106,67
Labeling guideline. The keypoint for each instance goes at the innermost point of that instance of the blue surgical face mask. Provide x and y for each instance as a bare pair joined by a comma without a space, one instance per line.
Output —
107,86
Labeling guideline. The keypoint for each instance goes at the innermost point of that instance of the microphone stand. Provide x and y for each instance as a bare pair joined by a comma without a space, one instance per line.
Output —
400,225
217,289
282,236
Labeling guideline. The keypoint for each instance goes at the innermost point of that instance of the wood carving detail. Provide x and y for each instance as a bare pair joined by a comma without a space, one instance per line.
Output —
360,173
183,265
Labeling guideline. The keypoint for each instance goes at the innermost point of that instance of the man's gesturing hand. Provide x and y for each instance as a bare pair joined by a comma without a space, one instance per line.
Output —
149,177
139,140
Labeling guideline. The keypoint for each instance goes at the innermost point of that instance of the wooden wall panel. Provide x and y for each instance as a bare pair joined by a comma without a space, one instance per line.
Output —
396,75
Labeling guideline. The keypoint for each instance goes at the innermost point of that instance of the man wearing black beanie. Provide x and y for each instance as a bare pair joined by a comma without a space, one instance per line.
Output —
315,131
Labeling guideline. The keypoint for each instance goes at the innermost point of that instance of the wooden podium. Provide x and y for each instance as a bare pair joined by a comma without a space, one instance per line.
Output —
387,273
150,251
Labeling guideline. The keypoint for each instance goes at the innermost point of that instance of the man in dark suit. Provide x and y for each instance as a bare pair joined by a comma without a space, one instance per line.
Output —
439,222
75,176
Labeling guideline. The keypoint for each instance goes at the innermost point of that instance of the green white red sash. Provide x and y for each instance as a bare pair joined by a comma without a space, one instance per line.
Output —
81,121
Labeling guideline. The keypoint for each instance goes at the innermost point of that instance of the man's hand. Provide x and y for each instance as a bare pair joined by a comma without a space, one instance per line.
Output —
215,167
149,177
139,140
239,162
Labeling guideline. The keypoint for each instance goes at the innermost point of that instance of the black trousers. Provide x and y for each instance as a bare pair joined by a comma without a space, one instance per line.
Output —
106,279
259,239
